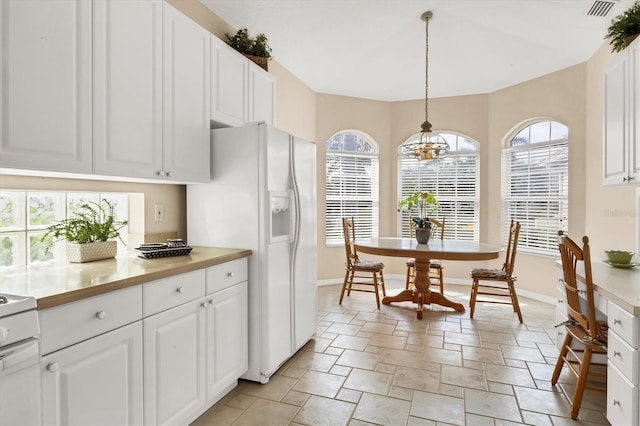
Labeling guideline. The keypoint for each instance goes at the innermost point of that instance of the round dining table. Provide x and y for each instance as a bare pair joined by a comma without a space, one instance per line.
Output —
423,253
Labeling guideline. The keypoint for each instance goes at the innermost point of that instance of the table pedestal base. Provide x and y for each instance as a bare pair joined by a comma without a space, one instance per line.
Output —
422,295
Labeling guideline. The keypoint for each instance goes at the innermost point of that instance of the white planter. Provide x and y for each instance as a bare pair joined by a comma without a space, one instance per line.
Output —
79,253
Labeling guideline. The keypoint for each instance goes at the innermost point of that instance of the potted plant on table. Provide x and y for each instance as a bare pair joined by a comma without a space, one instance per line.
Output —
624,28
426,203
256,49
90,233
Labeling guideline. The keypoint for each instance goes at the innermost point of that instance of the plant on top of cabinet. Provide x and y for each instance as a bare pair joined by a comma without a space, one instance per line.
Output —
256,49
89,233
624,28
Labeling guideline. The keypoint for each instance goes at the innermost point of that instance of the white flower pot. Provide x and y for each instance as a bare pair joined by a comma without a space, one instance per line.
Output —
79,253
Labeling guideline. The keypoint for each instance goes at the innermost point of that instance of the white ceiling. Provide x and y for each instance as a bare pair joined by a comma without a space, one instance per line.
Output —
375,49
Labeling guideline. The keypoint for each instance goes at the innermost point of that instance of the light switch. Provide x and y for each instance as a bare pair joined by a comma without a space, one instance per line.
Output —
159,213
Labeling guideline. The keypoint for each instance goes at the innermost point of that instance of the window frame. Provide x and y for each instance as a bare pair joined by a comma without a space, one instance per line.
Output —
538,235
342,203
446,202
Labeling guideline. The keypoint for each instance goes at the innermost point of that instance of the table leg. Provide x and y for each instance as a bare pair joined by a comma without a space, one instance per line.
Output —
422,294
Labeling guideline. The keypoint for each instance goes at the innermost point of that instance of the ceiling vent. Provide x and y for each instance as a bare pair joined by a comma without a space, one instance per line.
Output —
600,8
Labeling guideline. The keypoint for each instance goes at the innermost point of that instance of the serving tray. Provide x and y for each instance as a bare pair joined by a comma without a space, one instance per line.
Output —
151,253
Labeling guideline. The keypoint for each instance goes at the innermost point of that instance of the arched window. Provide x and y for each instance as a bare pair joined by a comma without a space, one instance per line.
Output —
535,185
454,180
351,185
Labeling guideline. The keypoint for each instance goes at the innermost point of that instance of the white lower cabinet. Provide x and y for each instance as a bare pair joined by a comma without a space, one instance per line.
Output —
97,381
227,339
174,364
157,353
623,375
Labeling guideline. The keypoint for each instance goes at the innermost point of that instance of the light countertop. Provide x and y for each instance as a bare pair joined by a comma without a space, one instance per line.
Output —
621,286
59,283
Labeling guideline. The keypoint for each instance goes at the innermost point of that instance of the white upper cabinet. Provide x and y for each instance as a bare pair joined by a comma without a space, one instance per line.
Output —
186,94
621,154
262,94
229,93
241,91
45,85
127,105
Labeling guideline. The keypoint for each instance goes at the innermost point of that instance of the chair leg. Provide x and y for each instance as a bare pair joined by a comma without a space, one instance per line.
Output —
514,300
440,275
581,383
472,300
375,287
560,362
384,291
344,286
409,273
350,283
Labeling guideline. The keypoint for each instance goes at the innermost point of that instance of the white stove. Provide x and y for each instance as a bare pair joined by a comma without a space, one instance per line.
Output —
19,361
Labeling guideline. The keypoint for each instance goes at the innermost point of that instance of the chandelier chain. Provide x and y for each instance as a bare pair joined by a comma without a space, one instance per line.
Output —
426,72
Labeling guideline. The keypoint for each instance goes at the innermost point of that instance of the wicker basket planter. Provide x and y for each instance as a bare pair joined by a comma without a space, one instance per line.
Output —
80,253
259,61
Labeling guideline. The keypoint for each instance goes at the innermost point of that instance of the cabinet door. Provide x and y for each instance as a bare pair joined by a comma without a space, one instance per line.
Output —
186,93
634,108
616,152
262,92
229,94
98,381
174,364
227,339
45,82
127,105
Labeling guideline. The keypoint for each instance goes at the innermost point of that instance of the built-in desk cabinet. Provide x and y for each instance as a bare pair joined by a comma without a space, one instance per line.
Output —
621,156
158,353
46,84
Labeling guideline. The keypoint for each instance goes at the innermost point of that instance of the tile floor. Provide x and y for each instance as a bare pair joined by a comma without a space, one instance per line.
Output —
384,367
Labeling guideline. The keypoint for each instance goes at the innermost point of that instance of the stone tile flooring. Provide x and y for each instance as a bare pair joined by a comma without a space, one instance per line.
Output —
385,367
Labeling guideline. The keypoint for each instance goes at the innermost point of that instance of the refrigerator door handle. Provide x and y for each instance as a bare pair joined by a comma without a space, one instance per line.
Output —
295,210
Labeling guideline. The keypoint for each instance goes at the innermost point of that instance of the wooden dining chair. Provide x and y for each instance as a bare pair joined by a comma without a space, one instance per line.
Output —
364,274
501,280
586,335
435,267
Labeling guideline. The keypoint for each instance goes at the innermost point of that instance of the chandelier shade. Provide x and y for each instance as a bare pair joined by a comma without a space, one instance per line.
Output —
430,146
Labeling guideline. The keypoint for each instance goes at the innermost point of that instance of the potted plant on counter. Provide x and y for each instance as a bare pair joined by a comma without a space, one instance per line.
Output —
90,233
624,28
426,203
256,49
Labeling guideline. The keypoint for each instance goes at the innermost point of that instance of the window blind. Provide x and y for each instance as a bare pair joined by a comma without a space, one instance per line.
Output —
454,180
351,191
535,193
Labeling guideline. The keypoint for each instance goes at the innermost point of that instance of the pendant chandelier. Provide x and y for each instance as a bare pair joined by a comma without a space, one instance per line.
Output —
429,146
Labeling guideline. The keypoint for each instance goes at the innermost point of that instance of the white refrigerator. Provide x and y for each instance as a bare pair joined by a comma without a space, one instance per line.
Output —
262,196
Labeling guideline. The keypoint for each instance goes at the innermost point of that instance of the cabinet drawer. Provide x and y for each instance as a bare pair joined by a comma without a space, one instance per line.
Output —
226,274
623,324
624,357
73,322
622,399
165,293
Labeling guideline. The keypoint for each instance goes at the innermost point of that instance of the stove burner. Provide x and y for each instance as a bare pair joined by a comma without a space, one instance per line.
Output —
3,300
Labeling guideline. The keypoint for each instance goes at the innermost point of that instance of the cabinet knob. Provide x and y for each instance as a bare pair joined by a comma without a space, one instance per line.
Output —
211,301
230,274
616,353
627,179
616,402
53,367
560,301
204,304
180,289
101,315
616,321
168,174
161,173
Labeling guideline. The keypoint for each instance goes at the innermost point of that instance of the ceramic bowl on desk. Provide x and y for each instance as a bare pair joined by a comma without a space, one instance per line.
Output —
620,259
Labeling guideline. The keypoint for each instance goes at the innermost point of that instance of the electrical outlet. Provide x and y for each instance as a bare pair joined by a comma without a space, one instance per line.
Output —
159,213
